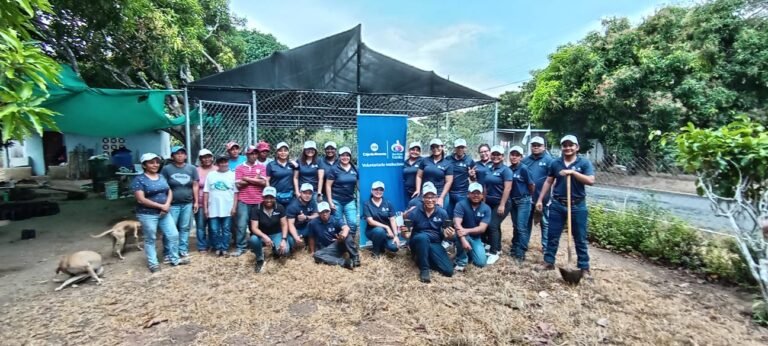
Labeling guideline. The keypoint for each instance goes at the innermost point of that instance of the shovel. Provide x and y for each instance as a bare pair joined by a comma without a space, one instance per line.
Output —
571,277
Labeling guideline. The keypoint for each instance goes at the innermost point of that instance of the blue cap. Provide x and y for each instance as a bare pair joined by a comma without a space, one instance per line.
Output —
176,148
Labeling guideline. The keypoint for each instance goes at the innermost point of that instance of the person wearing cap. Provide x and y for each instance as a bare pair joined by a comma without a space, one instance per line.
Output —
462,166
538,165
300,212
250,179
235,159
471,218
153,204
410,169
219,196
330,239
582,173
183,180
327,162
280,174
520,208
427,235
498,187
436,169
263,148
269,227
309,170
341,186
204,240
481,166
381,227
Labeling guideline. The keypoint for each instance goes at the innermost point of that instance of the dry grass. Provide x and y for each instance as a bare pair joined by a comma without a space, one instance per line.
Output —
217,301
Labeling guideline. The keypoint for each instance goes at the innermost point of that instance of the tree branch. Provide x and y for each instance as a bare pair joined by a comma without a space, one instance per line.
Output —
218,66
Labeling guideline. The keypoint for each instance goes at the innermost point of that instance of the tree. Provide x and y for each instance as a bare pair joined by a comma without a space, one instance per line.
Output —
513,110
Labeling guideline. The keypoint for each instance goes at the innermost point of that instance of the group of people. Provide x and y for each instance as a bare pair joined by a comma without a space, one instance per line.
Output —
285,204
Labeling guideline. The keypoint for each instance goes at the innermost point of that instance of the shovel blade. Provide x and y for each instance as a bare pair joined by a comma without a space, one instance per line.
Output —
571,277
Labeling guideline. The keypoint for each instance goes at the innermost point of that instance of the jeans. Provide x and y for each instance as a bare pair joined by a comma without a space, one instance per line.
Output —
544,223
557,221
243,225
347,212
257,245
182,217
221,232
452,201
333,254
521,213
149,225
204,239
430,255
494,228
378,237
476,254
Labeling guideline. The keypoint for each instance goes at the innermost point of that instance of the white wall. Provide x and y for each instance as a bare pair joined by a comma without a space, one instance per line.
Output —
158,142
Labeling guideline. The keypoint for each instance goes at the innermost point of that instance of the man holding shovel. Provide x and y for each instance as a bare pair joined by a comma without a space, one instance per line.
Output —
570,172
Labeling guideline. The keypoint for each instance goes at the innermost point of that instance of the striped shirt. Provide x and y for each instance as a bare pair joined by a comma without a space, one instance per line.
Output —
250,194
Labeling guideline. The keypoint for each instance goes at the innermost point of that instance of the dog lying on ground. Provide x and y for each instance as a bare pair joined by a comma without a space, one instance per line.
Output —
80,265
119,232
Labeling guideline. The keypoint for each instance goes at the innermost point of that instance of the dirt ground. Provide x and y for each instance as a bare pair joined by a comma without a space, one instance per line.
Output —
220,301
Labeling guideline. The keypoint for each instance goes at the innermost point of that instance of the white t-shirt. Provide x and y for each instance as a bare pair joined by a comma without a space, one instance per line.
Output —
221,193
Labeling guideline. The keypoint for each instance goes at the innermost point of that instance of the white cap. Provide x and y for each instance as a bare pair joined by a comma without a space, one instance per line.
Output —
459,143
148,156
269,191
204,152
435,141
329,144
428,189
345,150
475,187
570,138
429,183
497,149
518,149
376,185
323,206
306,187
414,145
310,145
281,145
537,140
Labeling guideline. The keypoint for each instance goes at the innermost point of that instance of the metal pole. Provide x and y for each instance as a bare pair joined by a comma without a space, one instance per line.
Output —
255,116
358,104
495,121
186,125
201,109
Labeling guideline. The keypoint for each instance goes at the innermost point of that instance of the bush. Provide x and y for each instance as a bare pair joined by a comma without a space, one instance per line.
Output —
723,261
674,243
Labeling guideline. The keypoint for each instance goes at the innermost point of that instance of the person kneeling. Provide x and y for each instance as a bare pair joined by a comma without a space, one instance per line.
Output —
269,227
427,236
471,218
331,238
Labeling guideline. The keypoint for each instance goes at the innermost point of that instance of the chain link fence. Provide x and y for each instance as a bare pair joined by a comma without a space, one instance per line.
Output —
222,122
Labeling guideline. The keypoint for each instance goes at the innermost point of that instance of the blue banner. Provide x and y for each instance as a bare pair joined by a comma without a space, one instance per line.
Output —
380,155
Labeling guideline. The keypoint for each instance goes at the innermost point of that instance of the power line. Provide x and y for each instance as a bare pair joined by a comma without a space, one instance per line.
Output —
506,84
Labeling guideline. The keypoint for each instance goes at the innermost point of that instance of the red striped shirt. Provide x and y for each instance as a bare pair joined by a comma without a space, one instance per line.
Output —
250,194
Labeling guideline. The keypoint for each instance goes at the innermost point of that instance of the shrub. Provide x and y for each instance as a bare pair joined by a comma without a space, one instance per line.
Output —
673,242
722,261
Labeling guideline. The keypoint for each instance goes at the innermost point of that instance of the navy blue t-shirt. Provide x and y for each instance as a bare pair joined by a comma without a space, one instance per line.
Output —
432,225
326,166
325,233
472,217
481,170
344,183
154,190
494,183
538,167
409,175
381,214
280,176
435,172
415,202
578,190
308,174
461,169
521,178
297,207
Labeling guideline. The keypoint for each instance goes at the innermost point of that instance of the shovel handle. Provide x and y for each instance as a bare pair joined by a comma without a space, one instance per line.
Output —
568,202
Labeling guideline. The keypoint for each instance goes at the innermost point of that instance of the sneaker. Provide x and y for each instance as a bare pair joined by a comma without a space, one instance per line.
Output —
586,275
348,264
545,266
519,261
487,247
184,254
459,268
167,260
446,244
237,253
202,252
259,266
154,269
492,258
356,262
424,276
182,261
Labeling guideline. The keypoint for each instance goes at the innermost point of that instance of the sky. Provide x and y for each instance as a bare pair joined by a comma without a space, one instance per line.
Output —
490,46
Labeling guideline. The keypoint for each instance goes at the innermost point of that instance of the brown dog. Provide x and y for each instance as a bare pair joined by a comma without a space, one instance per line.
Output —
80,265
119,232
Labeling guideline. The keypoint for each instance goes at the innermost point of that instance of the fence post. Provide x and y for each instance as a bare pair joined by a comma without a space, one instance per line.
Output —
255,117
495,120
201,110
187,134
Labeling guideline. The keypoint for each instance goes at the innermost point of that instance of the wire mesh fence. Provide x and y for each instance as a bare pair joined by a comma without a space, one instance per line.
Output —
222,122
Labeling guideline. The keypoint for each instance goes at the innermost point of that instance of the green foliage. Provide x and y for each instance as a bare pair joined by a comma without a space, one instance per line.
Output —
450,126
721,261
760,313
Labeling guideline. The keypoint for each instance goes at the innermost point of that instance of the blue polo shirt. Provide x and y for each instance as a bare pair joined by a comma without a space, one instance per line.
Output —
415,202
326,166
432,225
297,207
578,190
521,178
344,183
381,214
435,172
538,167
308,174
481,170
409,175
233,163
472,217
461,169
280,176
325,233
494,183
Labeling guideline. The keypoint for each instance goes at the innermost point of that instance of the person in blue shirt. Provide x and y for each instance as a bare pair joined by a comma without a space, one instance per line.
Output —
462,165
427,234
341,186
235,159
437,170
520,208
327,162
381,226
498,187
471,218
410,169
331,240
582,173
308,170
300,212
481,166
538,165
280,174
